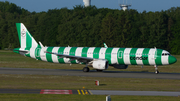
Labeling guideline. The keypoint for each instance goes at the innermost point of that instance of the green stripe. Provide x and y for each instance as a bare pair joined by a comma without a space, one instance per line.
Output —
72,53
18,26
37,53
49,56
60,51
133,54
108,54
120,60
28,55
28,40
84,51
96,52
145,55
158,57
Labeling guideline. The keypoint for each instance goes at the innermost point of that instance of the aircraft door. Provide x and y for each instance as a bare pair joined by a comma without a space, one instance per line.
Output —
37,52
120,54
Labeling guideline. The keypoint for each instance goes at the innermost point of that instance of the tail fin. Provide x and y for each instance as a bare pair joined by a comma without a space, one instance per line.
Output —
25,38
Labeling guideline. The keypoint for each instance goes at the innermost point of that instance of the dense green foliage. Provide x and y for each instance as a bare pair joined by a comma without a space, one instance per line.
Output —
92,27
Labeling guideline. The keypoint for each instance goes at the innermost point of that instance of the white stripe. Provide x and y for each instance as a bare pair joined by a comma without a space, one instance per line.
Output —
102,53
126,57
114,56
23,36
66,51
32,53
164,59
90,52
139,54
54,57
151,57
43,54
78,52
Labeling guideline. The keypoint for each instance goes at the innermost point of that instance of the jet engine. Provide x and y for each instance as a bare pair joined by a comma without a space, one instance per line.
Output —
100,64
117,66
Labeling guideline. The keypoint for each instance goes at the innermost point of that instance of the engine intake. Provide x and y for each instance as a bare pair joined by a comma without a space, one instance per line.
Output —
100,64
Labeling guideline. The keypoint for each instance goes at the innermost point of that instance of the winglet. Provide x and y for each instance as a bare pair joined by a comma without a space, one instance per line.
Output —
105,45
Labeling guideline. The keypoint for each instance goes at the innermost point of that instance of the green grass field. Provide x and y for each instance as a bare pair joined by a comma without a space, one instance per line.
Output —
38,97
10,59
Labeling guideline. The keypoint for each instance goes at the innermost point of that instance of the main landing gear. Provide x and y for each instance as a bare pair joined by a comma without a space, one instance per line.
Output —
86,69
156,69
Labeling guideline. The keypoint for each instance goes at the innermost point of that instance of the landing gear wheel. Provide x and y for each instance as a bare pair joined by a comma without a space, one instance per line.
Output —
99,70
156,69
157,72
85,69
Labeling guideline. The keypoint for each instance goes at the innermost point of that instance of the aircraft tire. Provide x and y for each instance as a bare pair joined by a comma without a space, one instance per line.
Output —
85,69
157,72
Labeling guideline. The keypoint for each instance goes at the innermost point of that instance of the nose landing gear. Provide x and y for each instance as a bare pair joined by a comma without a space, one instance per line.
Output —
156,69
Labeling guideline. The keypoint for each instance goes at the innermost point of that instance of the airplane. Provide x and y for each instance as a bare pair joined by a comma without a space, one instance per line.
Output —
99,58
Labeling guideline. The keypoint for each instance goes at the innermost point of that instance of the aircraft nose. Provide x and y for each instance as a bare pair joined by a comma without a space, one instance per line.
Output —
172,59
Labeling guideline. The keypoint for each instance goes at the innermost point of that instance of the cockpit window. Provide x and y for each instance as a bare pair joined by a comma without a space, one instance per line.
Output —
165,54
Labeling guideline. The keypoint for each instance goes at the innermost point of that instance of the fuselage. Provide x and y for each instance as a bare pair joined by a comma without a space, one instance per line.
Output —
122,56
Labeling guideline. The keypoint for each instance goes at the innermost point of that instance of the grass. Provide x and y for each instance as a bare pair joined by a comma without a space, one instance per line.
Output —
14,60
38,97
75,82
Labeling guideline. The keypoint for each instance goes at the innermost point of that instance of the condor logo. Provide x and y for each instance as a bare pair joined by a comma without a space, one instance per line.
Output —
23,33
138,58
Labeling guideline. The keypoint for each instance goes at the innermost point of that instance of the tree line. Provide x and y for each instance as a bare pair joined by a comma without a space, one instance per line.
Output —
91,27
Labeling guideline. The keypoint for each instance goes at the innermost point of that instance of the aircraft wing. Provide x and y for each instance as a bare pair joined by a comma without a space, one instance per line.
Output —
79,58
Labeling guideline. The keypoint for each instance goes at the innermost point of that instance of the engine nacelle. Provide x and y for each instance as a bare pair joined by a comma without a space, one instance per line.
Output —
100,64
117,66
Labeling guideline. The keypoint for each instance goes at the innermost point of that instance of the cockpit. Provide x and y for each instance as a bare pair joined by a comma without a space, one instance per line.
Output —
165,54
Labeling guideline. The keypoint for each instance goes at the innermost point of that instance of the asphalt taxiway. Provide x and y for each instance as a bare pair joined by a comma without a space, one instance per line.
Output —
92,73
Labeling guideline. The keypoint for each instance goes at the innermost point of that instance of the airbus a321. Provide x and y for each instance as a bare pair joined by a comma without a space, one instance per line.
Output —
98,58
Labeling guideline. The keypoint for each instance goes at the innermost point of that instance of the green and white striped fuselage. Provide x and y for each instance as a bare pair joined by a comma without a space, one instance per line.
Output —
122,56
97,57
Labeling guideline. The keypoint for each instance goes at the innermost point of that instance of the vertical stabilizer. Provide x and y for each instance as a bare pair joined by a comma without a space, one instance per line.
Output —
25,38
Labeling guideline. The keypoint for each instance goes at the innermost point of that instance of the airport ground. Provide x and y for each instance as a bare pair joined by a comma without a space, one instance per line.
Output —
20,81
